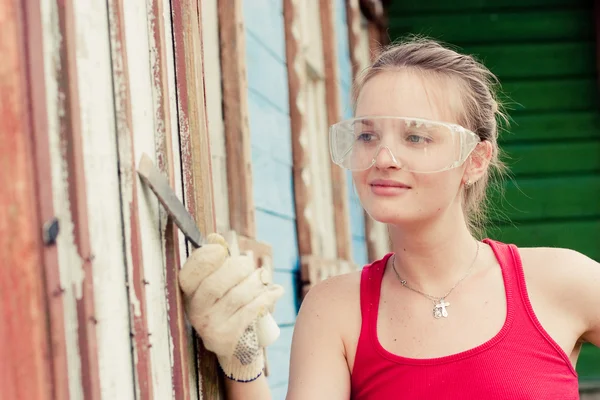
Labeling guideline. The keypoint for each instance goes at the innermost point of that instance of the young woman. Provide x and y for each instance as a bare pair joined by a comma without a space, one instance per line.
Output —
444,316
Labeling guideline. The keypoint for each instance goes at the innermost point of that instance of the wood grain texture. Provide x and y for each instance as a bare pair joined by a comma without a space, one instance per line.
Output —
73,164
26,368
195,160
129,202
296,68
235,114
332,95
214,110
363,48
39,116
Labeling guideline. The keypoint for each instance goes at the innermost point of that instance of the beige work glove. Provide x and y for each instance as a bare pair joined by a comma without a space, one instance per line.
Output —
224,297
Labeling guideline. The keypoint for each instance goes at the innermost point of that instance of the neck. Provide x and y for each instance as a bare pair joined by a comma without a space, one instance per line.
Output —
433,255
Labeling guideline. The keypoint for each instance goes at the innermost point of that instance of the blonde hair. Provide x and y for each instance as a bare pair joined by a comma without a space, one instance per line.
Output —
480,110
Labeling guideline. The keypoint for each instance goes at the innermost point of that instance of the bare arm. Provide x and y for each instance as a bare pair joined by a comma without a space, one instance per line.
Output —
569,284
318,369
588,272
255,390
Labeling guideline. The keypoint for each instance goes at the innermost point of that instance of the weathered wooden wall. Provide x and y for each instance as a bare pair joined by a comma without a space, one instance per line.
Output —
223,95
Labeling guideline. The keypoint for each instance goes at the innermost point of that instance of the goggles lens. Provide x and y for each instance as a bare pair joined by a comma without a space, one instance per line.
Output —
416,145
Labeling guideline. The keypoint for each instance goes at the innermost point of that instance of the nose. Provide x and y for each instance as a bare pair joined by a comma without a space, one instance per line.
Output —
385,159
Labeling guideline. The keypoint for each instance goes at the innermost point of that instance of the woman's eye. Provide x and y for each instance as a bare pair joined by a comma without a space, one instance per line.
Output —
365,137
417,139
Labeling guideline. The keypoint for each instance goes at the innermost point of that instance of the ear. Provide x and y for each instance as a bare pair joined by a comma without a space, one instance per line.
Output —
478,162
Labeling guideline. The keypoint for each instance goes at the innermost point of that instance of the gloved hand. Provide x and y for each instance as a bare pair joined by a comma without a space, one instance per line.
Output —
224,296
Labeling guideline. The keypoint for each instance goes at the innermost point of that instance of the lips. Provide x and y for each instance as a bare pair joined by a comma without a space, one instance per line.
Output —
388,188
389,184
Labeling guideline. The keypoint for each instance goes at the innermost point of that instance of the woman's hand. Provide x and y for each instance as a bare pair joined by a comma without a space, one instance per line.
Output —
224,295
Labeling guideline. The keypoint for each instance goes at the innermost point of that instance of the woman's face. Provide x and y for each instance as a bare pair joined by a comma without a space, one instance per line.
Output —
387,192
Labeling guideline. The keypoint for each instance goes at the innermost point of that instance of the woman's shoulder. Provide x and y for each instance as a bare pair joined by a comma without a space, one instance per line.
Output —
334,292
341,290
558,266
554,260
567,278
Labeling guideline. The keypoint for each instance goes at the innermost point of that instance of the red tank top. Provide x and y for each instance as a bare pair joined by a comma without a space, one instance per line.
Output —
521,362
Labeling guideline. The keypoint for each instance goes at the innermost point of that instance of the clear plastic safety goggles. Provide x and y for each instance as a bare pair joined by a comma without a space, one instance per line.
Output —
414,144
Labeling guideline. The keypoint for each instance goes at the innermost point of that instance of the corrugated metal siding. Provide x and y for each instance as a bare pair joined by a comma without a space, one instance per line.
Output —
268,105
544,53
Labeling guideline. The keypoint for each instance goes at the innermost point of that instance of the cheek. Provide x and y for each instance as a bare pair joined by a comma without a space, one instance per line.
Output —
440,188
359,180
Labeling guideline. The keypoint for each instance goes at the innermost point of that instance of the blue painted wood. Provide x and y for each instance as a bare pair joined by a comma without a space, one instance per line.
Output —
280,233
343,46
347,108
263,21
267,74
270,128
268,104
273,185
279,392
359,251
287,306
278,355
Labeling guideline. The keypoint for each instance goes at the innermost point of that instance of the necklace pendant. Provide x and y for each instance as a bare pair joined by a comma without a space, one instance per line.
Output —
440,310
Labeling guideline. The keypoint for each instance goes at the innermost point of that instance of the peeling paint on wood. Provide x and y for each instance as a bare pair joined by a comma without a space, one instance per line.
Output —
39,115
296,66
235,113
338,178
76,265
25,369
165,153
151,218
195,156
129,204
67,254
214,111
360,55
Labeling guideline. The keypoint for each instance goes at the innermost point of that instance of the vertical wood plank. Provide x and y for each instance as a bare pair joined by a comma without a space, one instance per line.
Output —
338,178
74,180
191,119
152,221
195,148
129,202
26,370
214,111
296,68
375,42
39,116
353,20
235,112
375,233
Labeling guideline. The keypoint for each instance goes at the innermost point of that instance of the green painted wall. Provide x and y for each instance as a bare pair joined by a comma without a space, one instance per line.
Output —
544,53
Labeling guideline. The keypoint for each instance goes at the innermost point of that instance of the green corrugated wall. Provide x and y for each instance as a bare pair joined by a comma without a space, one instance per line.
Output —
544,53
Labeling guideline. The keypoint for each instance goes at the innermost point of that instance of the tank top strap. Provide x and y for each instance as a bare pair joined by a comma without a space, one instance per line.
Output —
510,263
370,292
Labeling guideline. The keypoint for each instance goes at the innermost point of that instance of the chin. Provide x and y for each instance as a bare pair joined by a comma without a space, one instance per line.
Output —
396,214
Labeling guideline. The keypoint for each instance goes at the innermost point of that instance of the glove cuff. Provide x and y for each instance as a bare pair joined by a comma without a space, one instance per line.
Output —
235,370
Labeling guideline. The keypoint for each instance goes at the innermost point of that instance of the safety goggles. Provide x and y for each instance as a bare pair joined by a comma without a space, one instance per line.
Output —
414,144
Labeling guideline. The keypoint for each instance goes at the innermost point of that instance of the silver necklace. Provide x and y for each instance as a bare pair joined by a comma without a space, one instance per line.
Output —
440,303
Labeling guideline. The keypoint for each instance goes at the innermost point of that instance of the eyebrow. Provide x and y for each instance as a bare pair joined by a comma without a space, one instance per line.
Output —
364,122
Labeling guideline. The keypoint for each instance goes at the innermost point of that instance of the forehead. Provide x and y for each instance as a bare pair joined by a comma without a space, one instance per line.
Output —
403,93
